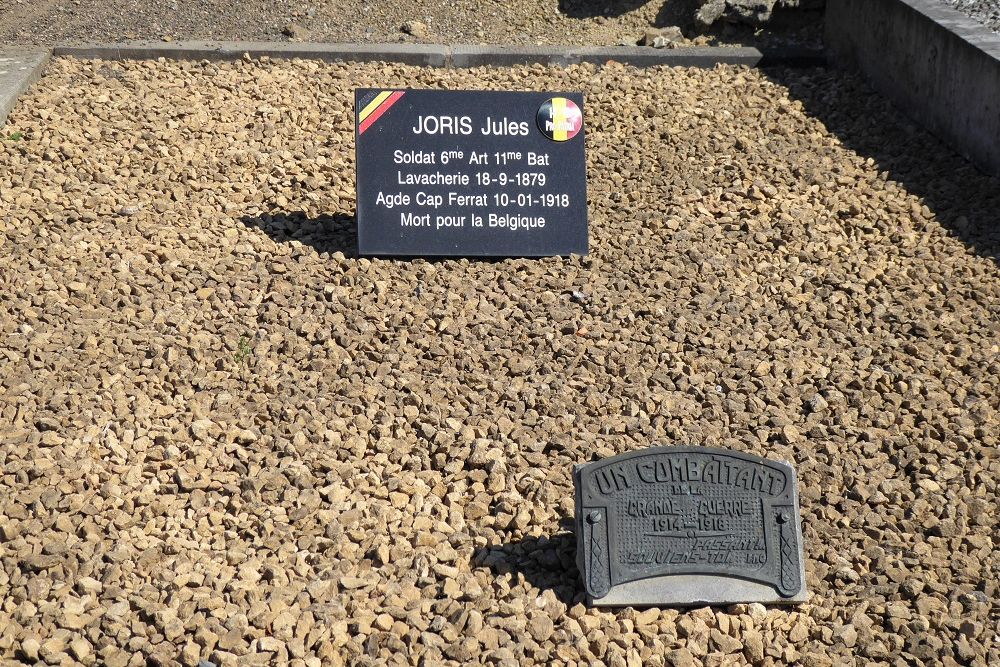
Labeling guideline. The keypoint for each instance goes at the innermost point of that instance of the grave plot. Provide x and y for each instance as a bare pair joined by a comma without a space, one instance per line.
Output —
225,437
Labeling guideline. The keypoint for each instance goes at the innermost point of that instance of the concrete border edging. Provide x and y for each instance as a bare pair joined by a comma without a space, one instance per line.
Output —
939,67
439,55
431,55
19,68
503,56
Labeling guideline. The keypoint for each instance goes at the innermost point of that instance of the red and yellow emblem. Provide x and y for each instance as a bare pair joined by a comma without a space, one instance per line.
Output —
378,106
559,119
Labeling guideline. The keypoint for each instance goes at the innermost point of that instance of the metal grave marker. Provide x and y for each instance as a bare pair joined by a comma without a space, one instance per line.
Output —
688,526
470,173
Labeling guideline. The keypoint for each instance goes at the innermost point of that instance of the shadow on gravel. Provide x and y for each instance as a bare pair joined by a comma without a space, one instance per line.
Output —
326,233
334,233
548,563
963,199
787,27
801,25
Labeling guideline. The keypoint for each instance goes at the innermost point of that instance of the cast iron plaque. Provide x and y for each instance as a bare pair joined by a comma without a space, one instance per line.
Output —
470,173
688,525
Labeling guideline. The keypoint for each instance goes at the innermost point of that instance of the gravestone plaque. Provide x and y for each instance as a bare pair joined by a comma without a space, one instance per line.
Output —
688,526
470,173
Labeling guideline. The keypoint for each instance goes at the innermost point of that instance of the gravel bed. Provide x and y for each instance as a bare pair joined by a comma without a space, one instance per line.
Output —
224,437
586,22
986,12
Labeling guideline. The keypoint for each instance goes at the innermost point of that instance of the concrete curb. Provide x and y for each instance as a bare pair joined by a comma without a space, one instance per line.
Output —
19,68
940,68
430,55
438,55
502,56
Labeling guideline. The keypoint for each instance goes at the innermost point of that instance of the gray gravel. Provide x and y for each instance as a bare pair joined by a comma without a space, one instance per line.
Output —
986,12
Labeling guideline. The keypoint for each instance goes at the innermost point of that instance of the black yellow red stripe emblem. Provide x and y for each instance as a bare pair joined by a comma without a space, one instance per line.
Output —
376,108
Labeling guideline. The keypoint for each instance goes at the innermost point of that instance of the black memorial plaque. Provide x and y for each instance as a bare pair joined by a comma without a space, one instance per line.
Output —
470,173
688,525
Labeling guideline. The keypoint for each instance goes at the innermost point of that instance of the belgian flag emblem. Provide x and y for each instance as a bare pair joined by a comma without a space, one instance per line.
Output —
559,119
376,107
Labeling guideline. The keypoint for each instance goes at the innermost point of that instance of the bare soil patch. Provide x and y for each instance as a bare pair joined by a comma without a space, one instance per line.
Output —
588,22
